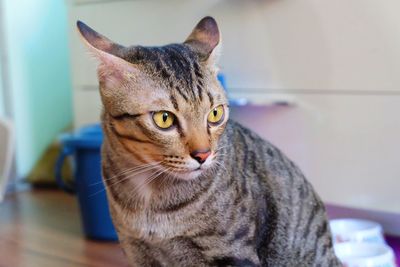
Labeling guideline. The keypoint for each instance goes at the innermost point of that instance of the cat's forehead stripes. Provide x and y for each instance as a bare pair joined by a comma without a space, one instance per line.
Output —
176,65
174,102
211,98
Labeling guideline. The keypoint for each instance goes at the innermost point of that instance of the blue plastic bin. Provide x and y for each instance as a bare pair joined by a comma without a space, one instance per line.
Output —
84,147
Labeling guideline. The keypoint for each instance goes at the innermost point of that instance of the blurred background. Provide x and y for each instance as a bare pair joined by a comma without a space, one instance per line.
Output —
319,79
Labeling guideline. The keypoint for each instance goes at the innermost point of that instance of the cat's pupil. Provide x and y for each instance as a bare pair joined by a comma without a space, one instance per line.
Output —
215,112
165,116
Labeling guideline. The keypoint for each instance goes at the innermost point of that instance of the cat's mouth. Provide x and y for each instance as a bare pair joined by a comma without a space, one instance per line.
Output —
187,168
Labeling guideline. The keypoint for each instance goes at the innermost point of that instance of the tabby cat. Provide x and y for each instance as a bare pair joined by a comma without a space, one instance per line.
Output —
187,186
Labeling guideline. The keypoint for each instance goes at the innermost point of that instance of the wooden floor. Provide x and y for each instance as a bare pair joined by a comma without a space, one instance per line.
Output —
41,228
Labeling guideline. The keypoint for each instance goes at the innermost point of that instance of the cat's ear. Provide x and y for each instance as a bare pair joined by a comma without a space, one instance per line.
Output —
112,68
205,40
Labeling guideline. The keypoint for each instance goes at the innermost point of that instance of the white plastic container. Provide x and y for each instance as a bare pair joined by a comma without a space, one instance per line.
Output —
365,255
356,230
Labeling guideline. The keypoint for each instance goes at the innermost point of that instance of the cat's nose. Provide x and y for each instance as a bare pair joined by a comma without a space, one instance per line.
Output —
200,155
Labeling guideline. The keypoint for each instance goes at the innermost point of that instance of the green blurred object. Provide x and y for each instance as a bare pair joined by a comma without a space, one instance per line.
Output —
38,76
43,173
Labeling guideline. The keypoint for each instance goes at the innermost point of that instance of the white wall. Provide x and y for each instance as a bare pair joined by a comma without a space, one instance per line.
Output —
338,60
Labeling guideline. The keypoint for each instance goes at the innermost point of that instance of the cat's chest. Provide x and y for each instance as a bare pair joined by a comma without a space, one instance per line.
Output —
160,226
156,226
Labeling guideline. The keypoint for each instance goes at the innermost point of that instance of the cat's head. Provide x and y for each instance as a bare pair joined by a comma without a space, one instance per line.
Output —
163,104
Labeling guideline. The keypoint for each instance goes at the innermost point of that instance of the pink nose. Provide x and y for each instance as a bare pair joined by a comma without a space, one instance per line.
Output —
201,155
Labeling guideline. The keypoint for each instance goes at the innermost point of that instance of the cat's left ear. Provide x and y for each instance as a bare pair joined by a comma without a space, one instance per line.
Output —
205,40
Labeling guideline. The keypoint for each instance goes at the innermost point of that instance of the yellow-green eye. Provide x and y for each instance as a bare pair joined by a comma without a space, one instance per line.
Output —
216,115
163,119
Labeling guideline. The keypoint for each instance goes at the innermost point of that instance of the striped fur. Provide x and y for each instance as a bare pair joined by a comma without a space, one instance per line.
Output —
246,205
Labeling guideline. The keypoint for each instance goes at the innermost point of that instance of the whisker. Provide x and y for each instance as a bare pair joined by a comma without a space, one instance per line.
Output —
134,168
129,170
167,178
150,179
124,179
218,163
148,168
221,147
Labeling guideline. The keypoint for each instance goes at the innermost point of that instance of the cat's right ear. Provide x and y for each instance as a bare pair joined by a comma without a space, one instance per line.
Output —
112,68
205,39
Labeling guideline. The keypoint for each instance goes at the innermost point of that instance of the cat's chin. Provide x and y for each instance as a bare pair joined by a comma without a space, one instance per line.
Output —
189,175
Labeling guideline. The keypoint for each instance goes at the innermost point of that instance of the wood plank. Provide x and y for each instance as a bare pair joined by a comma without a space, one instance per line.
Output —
42,228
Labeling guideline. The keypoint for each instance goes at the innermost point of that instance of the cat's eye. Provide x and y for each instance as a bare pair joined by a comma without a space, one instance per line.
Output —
163,119
216,115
